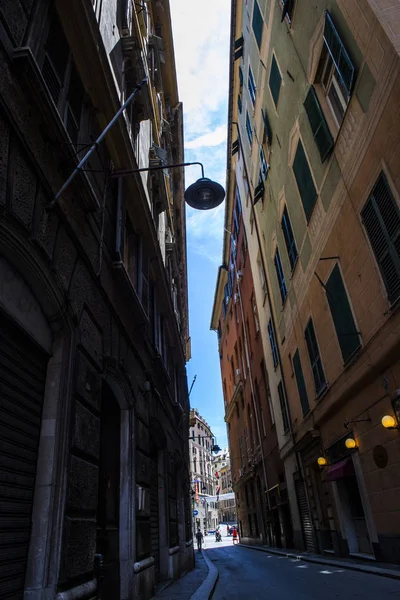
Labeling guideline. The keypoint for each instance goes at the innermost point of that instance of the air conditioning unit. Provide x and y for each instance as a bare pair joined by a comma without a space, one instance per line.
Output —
239,275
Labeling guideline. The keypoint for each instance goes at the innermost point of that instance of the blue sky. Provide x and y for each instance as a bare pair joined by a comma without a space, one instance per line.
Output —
201,41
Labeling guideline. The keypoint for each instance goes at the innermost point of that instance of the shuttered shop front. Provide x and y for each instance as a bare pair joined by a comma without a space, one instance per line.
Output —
22,381
305,516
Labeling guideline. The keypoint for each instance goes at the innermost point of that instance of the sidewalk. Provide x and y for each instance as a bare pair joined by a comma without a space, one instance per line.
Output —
354,564
197,584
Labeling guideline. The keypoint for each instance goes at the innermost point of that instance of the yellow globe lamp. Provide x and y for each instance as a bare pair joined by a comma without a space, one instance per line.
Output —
389,422
350,443
322,461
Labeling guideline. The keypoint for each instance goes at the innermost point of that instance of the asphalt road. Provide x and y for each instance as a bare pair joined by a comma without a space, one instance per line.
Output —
250,574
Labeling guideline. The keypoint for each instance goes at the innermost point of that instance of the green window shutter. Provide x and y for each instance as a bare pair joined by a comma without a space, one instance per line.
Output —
259,191
287,10
249,129
239,47
289,238
275,80
342,316
267,127
301,385
257,23
284,412
339,55
241,76
304,180
322,135
381,219
315,359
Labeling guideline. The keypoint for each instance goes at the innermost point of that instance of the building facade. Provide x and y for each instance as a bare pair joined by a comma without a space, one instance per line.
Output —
93,304
257,470
222,472
201,474
314,105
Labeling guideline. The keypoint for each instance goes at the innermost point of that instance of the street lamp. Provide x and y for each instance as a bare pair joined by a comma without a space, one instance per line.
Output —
215,448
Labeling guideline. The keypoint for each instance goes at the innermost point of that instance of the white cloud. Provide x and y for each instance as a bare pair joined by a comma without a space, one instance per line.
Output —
213,138
201,41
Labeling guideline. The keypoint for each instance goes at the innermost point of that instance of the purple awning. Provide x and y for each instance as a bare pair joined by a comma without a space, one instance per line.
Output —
343,468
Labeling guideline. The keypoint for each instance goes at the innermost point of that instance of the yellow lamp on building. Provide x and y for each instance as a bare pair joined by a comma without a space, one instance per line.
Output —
322,461
350,443
389,422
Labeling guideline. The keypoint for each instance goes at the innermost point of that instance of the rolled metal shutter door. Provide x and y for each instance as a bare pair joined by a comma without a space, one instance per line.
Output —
305,516
22,381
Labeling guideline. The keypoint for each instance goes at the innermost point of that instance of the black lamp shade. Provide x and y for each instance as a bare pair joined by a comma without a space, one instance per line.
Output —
204,194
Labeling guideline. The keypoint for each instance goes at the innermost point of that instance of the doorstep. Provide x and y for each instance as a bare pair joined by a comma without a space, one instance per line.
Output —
381,569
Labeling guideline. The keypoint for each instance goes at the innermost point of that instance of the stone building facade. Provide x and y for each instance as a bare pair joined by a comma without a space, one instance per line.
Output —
93,318
201,474
314,137
222,472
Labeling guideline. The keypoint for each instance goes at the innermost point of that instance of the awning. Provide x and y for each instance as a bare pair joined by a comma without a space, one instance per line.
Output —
343,468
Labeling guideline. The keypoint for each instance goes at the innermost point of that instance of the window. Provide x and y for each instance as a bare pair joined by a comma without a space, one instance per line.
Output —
257,23
287,10
62,79
280,275
263,164
304,180
267,134
322,135
239,46
284,412
267,390
259,189
262,274
289,238
249,129
252,87
335,71
253,304
247,442
381,219
241,450
132,254
315,359
273,343
239,100
345,327
301,385
275,80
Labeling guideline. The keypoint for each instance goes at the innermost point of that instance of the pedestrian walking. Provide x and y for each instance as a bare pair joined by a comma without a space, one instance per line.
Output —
235,537
199,537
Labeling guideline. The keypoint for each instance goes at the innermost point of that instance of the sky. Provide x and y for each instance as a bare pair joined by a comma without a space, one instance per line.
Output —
201,43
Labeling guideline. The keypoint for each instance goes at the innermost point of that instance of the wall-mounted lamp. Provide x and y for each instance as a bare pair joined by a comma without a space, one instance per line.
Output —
204,194
322,462
389,422
350,443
